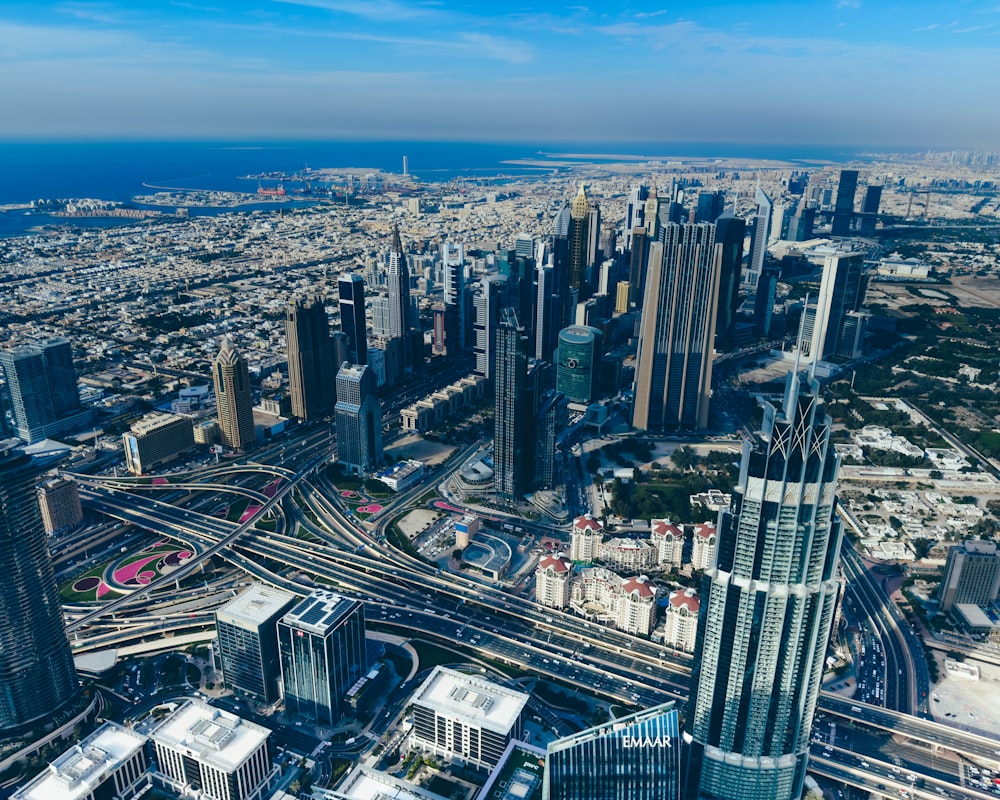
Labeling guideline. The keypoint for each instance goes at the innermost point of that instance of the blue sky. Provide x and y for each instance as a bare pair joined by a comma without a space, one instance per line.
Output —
852,72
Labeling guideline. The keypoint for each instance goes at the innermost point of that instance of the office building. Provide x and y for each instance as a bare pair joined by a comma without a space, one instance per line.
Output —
764,299
868,218
767,609
321,643
552,581
351,289
312,370
59,501
841,290
465,717
156,439
710,206
550,421
634,757
109,764
971,575
247,628
36,673
512,417
365,783
233,398
584,538
635,209
759,240
359,419
843,208
576,365
674,364
41,386
680,620
212,754
548,310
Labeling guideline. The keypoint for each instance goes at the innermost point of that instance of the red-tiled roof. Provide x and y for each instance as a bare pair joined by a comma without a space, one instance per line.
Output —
639,585
687,598
587,522
704,531
662,527
557,563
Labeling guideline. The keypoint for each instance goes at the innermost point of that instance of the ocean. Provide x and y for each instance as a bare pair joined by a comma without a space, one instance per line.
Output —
117,171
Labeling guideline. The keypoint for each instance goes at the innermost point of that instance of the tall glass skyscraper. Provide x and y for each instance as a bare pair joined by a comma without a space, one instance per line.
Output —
312,370
352,316
321,642
37,676
636,757
577,365
511,419
359,418
768,606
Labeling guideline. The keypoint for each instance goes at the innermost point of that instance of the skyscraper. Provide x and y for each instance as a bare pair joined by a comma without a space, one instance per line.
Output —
233,397
758,245
486,305
321,642
577,365
673,374
843,207
351,288
37,675
730,231
841,290
971,574
767,610
248,640
453,264
312,372
580,247
359,418
41,383
869,209
398,289
511,419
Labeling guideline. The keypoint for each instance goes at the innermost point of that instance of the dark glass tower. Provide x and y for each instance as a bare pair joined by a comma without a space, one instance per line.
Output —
37,676
359,418
352,317
312,370
843,207
730,232
512,420
767,610
233,398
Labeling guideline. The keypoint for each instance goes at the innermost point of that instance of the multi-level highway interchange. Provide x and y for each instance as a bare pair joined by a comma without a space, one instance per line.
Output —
894,748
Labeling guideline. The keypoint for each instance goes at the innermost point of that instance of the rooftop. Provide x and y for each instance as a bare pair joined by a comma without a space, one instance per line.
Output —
320,612
255,605
471,699
210,735
78,771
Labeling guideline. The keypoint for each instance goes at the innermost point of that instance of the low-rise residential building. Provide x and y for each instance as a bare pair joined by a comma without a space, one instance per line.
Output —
703,546
669,541
628,604
552,580
584,539
680,620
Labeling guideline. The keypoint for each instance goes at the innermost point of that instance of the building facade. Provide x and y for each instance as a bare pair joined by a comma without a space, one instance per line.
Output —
971,574
843,209
635,757
213,754
321,643
703,545
552,581
59,501
669,541
587,533
628,604
156,439
37,674
680,620
312,370
233,398
768,604
359,419
247,629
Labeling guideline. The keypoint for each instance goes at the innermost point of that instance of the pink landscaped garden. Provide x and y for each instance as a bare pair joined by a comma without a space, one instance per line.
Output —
127,573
